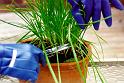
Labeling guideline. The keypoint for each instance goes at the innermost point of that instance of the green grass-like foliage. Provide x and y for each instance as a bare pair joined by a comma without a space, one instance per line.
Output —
49,20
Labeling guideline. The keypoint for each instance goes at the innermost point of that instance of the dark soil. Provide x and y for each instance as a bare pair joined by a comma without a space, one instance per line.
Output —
64,55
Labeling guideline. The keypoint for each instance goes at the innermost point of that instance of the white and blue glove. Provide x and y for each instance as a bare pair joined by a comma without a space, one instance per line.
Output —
21,61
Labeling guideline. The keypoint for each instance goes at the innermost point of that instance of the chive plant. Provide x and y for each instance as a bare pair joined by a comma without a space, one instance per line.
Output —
51,24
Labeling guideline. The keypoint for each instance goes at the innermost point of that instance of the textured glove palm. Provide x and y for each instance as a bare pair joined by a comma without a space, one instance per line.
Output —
20,61
93,8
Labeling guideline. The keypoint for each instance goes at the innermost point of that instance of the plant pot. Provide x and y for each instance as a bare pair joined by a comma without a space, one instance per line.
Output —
69,72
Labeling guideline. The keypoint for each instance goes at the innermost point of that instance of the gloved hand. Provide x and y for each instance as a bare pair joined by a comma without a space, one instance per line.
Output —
21,61
93,8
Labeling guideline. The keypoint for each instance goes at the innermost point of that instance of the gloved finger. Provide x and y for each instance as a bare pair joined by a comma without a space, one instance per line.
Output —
73,2
38,69
117,4
106,11
88,8
96,14
42,59
78,17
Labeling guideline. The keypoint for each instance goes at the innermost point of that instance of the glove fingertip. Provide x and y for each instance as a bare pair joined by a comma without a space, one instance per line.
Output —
96,26
42,59
43,63
109,22
117,4
122,8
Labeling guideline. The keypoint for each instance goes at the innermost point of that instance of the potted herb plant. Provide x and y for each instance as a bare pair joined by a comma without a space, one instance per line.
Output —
52,28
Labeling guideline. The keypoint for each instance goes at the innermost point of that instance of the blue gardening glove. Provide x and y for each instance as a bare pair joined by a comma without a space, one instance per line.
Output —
93,8
21,61
77,6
